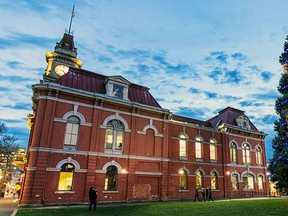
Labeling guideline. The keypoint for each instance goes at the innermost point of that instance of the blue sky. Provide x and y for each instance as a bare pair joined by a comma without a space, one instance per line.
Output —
196,56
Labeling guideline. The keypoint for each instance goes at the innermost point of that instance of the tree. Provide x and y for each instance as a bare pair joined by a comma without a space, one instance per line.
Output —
278,165
8,148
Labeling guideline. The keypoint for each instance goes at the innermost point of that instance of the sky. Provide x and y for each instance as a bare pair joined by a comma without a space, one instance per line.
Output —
196,56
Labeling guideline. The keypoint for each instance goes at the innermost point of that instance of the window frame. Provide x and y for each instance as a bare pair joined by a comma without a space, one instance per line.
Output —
233,152
65,181
198,148
246,153
71,136
116,136
111,182
213,150
182,146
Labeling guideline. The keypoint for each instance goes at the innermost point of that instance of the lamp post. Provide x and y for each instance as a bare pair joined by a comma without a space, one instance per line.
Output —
181,172
269,193
123,171
228,175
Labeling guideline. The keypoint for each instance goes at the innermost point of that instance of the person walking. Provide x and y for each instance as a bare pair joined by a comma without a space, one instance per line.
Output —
210,195
196,195
207,193
203,195
92,198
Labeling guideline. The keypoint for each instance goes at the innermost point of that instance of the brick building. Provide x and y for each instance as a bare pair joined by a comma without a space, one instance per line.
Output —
88,129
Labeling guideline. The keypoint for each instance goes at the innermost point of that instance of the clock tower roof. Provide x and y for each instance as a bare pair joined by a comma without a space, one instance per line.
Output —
66,46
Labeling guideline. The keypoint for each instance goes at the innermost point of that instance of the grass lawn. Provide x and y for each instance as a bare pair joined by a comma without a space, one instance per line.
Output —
264,207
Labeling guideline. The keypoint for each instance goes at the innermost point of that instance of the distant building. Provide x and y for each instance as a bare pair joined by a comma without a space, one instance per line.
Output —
88,129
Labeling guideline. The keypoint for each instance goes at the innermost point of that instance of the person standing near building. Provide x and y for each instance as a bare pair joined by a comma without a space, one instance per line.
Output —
92,198
203,195
196,195
210,194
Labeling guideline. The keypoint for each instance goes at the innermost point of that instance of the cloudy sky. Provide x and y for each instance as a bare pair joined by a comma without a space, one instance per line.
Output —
196,56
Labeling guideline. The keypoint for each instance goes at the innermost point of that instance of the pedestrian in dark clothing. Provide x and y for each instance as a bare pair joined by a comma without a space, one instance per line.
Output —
196,195
92,198
203,195
207,193
210,195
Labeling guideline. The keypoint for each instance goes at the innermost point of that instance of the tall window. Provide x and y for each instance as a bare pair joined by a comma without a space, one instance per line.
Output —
235,182
114,136
246,153
258,155
260,182
72,130
182,146
183,180
248,182
212,150
66,177
199,180
111,179
233,152
214,180
198,148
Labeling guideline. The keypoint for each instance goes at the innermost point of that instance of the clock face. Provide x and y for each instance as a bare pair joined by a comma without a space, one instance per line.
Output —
61,69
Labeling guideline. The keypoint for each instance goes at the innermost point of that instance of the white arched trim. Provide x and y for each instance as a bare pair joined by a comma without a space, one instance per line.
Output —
112,163
201,170
214,171
73,113
68,160
233,141
245,142
258,147
185,169
246,172
184,134
118,117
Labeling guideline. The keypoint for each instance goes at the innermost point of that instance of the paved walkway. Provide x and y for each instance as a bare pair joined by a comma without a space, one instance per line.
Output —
8,206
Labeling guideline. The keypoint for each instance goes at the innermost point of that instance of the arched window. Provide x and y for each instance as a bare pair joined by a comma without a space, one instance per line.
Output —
182,146
183,179
198,148
199,180
212,150
114,137
260,182
258,155
246,153
233,152
235,182
66,177
72,131
214,181
248,181
111,178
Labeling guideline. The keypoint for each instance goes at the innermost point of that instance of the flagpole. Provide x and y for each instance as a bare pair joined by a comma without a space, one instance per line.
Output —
72,15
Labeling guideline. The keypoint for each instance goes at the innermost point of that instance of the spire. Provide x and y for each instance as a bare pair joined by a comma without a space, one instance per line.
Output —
72,16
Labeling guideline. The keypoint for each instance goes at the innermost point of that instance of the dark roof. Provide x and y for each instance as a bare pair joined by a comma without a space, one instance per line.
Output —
92,82
66,45
189,120
228,116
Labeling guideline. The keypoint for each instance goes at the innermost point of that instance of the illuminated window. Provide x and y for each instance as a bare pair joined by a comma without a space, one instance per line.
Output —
214,180
198,148
246,153
199,180
183,180
66,177
182,146
260,182
258,155
114,137
233,153
248,182
212,150
235,181
111,179
72,130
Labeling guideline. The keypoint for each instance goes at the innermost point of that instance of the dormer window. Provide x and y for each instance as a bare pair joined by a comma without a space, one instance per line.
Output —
117,87
118,91
243,122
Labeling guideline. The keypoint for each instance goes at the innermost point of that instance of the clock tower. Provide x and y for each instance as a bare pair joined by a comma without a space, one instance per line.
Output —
63,57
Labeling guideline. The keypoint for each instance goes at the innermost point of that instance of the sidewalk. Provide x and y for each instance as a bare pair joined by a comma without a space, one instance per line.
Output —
8,206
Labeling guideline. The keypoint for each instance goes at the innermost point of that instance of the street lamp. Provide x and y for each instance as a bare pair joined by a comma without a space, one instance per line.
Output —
228,175
268,175
123,171
181,172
